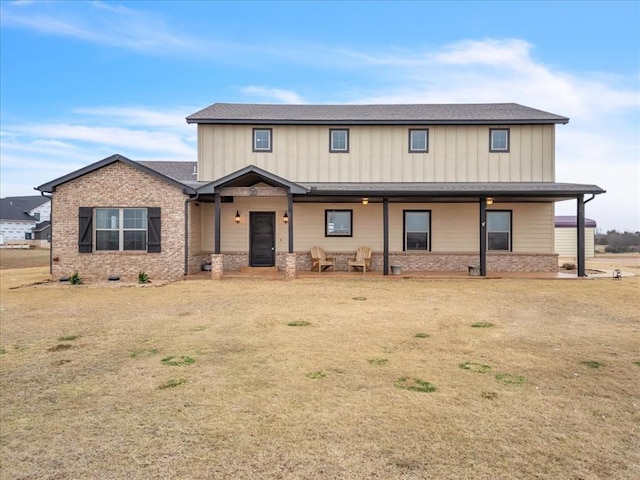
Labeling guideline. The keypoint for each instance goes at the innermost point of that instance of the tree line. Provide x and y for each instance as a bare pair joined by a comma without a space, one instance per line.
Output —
617,242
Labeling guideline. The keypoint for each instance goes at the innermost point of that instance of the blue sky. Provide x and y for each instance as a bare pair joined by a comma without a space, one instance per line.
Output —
80,81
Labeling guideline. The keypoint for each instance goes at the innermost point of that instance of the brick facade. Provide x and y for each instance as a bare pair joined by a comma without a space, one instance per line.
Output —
117,185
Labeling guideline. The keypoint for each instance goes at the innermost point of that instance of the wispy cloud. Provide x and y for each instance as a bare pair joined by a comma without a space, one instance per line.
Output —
273,94
100,23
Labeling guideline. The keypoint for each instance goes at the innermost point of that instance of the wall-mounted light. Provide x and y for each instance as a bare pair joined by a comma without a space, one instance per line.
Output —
489,201
365,201
285,217
237,216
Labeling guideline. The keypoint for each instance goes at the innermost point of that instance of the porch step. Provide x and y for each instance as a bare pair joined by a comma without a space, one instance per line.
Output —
258,269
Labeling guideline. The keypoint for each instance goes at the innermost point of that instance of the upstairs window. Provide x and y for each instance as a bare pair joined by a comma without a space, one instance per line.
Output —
417,230
339,140
418,141
499,230
499,140
262,140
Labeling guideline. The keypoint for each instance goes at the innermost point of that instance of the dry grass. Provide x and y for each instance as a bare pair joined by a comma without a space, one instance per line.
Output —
265,400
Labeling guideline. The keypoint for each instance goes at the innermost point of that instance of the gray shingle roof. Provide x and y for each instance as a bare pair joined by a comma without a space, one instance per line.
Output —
27,203
180,171
10,211
407,114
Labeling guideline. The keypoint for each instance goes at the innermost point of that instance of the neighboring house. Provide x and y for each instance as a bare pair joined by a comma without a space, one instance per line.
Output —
566,236
20,215
427,187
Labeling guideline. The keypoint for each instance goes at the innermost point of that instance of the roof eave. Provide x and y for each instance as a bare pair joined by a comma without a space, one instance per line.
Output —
212,121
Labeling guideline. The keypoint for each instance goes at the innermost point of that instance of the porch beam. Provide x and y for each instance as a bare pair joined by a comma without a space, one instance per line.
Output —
385,230
253,192
483,237
580,237
216,224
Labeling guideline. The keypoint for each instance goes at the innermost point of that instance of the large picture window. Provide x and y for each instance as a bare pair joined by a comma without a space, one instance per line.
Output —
417,230
338,223
499,230
121,229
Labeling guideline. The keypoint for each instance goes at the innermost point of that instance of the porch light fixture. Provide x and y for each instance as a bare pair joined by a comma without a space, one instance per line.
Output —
365,200
285,217
489,201
237,216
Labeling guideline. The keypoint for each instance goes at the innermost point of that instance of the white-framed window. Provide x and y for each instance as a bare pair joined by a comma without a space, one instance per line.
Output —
338,223
418,141
339,140
262,139
499,230
499,140
417,230
121,229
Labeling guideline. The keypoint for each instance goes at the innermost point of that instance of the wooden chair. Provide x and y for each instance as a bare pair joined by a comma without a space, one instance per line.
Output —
320,260
363,259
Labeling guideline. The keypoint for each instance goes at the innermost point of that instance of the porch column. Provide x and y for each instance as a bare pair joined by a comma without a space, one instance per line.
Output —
216,224
385,230
483,237
580,237
290,208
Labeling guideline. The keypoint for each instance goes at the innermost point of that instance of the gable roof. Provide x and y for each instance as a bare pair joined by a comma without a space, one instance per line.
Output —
9,211
51,186
250,175
26,203
403,114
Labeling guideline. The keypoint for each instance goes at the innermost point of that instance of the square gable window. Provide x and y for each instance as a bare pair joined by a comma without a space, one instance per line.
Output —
262,139
499,140
339,140
418,141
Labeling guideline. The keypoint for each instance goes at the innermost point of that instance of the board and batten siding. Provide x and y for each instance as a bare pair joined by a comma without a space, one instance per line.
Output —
379,153
454,227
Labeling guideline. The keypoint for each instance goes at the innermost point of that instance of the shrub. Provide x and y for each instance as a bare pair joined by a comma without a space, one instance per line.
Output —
75,279
143,277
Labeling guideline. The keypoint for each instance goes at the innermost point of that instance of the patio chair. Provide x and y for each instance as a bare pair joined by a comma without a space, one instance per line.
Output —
363,259
320,260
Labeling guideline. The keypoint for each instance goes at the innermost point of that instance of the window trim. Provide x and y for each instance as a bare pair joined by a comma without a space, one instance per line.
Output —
404,231
121,229
326,223
510,232
499,150
334,150
255,149
426,144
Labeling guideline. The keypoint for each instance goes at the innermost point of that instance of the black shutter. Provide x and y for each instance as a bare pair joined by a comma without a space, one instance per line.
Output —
153,233
85,230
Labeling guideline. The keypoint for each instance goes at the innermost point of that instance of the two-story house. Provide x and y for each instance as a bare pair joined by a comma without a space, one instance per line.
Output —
427,187
24,219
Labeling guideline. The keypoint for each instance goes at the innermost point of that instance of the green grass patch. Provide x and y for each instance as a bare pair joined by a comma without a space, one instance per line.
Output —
377,361
636,363
475,367
359,298
68,338
315,375
415,385
422,335
199,328
3,350
299,323
177,361
510,379
592,363
174,382
482,325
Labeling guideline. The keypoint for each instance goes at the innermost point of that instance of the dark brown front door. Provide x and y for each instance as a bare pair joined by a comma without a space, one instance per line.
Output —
262,239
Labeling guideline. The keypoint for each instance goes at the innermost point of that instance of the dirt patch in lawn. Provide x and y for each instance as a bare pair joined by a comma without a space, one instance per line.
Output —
262,399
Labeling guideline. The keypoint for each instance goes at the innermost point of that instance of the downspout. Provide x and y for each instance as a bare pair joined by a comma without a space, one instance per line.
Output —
186,231
580,236
51,227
